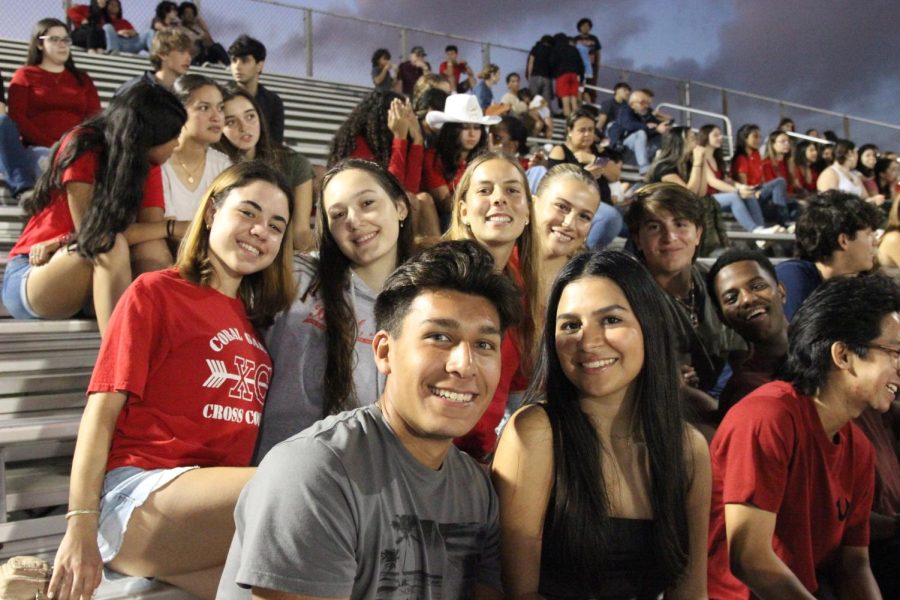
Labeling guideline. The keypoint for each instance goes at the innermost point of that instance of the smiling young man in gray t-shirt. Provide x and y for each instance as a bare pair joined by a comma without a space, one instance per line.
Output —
376,502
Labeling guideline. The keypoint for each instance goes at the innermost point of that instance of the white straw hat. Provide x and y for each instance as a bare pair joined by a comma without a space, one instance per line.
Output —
460,108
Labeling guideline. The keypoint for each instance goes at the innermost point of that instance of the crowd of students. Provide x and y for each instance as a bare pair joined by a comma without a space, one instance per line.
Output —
291,406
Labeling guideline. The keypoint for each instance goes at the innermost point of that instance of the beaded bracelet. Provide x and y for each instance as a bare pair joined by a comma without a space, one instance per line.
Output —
81,511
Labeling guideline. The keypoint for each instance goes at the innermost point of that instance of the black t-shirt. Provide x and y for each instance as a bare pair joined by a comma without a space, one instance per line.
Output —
590,40
541,65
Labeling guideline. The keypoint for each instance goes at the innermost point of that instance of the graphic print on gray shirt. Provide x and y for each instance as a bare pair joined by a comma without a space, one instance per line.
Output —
342,509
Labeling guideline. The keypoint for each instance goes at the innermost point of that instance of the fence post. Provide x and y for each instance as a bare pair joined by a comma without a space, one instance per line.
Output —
686,100
485,55
724,102
308,29
404,44
846,127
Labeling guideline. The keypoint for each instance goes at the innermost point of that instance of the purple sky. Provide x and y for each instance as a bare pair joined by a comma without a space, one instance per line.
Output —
840,56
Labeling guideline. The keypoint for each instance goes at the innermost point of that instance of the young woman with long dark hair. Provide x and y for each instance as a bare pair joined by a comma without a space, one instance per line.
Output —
104,176
50,95
806,155
168,429
777,160
246,137
739,198
493,206
194,163
321,346
87,25
604,489
461,137
842,174
680,160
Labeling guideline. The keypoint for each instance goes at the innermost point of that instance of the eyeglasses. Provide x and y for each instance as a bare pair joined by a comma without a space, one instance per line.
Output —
894,353
53,39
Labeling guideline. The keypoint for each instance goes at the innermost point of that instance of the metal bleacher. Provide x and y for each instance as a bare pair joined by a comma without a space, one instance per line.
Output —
45,365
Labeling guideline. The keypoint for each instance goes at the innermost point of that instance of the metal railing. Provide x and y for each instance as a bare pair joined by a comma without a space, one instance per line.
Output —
327,45
728,148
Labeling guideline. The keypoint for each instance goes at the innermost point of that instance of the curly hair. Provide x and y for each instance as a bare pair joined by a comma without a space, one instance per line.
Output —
828,215
369,121
143,117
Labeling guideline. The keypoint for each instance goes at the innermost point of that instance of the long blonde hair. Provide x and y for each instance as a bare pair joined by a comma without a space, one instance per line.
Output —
264,293
528,273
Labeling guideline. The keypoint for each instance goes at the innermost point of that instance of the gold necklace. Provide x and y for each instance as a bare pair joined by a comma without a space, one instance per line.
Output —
190,172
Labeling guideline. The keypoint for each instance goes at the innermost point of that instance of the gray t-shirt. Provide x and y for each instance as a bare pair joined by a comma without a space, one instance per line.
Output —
296,342
342,509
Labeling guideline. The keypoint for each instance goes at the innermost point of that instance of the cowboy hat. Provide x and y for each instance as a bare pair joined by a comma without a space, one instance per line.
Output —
460,108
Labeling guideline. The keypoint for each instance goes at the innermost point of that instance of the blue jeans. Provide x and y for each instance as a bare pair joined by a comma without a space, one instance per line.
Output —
18,164
117,43
745,210
605,227
637,143
773,198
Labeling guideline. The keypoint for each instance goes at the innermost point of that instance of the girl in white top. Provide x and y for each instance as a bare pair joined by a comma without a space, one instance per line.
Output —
194,165
842,176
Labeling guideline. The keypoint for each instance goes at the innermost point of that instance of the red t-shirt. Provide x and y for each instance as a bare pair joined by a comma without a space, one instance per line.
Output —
406,161
771,451
807,184
750,165
433,172
771,172
195,372
79,13
56,219
460,68
45,105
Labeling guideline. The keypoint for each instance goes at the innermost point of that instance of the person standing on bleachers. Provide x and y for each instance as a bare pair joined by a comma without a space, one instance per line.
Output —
537,70
50,95
248,56
170,56
410,70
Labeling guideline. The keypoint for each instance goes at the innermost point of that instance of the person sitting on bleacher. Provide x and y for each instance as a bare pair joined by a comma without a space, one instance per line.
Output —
835,236
246,137
248,57
840,175
174,401
120,33
19,167
744,289
665,222
170,56
194,163
739,198
793,478
322,346
205,49
517,107
50,95
806,154
747,169
634,127
461,137
165,16
609,108
87,25
680,160
74,251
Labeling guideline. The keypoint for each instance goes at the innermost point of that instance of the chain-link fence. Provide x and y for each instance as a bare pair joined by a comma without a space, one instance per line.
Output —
306,42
